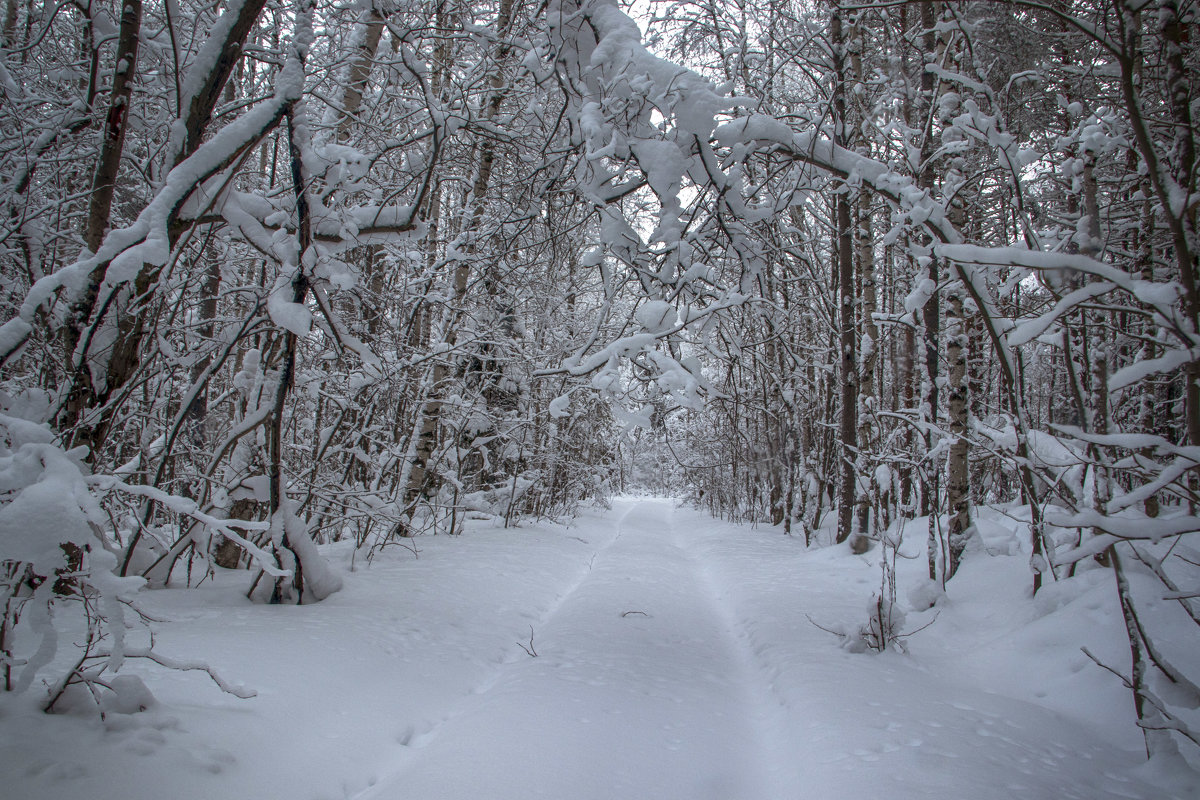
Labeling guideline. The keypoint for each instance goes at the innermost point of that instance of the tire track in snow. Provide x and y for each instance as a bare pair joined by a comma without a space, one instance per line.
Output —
843,724
417,735
515,654
638,691
766,710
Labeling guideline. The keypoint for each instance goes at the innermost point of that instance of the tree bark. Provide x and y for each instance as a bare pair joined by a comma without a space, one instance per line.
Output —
868,346
958,487
360,71
847,335
116,123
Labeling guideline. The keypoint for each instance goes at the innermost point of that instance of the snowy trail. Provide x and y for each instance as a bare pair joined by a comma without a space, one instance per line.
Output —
682,665
675,660
854,725
637,677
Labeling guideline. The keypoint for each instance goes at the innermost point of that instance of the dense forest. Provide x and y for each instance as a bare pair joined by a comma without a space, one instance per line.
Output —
283,273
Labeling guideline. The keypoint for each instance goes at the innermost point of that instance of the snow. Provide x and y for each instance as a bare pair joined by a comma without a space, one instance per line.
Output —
663,164
320,579
1159,296
656,316
45,513
1168,363
210,52
289,315
673,660
560,406
920,295
1032,329
13,334
47,500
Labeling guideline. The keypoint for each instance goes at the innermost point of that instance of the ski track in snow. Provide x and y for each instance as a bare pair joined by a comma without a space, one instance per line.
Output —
633,678
674,661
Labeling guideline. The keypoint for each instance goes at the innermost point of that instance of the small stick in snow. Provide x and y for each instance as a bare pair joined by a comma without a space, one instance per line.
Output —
529,650
1128,683
627,613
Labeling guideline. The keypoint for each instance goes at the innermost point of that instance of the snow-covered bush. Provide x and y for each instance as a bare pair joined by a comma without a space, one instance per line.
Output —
59,582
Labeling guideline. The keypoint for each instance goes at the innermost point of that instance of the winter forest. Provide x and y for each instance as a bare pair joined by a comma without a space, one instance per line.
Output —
350,320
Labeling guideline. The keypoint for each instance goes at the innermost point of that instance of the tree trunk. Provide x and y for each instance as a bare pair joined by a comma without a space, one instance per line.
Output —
868,347
360,71
931,312
958,488
847,335
104,182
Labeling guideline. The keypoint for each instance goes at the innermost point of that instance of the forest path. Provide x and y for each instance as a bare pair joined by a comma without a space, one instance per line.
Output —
640,689
684,664
675,659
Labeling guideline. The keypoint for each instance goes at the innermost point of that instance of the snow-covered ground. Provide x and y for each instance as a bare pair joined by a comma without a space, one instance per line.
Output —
675,658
